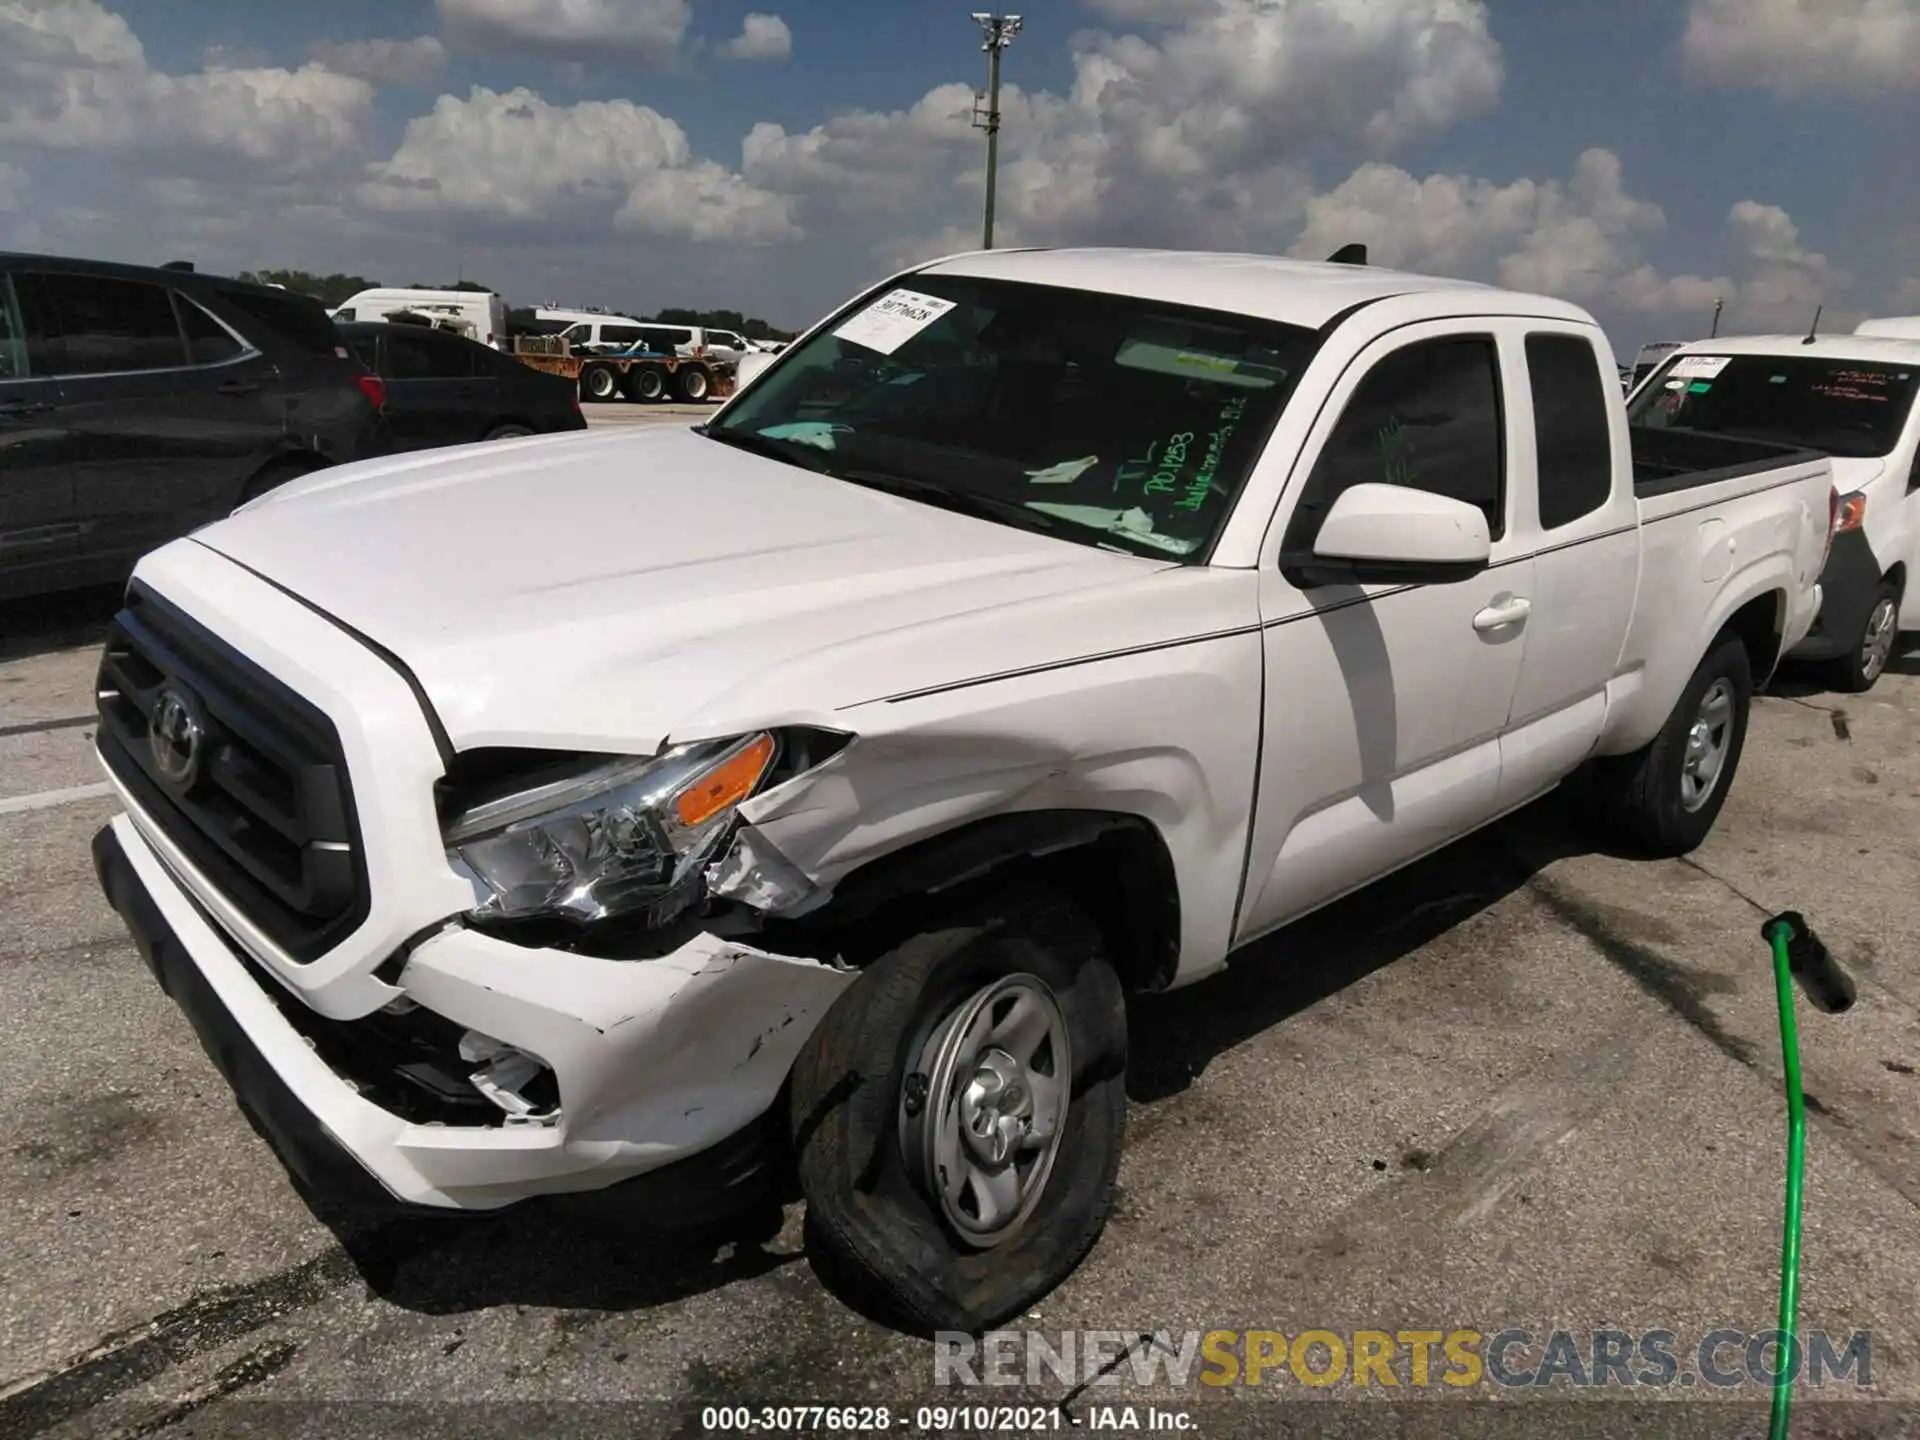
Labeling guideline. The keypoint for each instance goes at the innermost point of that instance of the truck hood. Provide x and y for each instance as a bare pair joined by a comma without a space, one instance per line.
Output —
613,589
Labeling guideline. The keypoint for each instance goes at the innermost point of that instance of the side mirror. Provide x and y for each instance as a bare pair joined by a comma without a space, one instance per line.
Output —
750,365
1393,535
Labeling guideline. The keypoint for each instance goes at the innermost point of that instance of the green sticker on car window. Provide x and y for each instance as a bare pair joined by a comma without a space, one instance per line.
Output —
1699,387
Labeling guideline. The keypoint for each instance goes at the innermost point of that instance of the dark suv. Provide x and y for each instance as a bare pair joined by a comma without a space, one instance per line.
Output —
137,404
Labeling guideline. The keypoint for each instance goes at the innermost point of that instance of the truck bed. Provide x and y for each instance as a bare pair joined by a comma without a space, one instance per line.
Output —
1668,460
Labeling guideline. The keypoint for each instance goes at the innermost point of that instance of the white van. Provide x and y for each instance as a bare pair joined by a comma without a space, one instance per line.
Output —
1850,397
482,310
1893,327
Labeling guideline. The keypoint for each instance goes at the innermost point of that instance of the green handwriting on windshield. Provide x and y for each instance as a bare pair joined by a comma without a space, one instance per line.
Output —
1184,464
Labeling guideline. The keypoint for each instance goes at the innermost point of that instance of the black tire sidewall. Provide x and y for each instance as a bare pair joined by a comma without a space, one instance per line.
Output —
863,1201
590,381
1846,674
694,380
648,386
1678,827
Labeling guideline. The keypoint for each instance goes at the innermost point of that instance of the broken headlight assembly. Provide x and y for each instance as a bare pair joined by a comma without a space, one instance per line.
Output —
600,836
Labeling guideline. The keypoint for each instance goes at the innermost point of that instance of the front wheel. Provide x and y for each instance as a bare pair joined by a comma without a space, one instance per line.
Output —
1664,798
1860,669
959,1115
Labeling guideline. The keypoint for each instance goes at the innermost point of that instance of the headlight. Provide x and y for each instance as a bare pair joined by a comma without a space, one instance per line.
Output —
610,838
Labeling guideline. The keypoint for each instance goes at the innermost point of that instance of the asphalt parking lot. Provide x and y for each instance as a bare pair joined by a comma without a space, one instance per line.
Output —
1521,1085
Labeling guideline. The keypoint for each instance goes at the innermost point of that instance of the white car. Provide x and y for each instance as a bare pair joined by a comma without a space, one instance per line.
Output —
1848,396
479,314
1042,626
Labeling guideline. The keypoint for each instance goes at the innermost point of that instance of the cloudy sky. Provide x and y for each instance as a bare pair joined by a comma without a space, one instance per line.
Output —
1644,157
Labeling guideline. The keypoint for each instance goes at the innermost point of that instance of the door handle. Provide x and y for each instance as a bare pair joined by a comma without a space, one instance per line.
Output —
465,392
237,387
1510,611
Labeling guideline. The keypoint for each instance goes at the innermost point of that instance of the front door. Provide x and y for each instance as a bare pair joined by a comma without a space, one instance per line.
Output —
1385,703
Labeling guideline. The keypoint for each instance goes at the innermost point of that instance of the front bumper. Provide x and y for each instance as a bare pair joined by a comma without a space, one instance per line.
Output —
1848,587
657,1061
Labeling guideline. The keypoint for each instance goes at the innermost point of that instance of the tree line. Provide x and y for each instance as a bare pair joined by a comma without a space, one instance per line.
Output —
334,290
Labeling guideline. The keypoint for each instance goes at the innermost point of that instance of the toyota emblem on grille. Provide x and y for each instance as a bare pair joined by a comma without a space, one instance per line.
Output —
176,734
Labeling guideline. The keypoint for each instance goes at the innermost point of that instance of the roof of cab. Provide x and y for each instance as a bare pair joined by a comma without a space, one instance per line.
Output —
1823,347
1293,292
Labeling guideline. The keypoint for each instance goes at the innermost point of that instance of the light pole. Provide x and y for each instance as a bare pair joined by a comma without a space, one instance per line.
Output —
999,31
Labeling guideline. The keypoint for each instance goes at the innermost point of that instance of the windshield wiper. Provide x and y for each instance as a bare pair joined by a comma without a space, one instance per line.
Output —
794,452
948,497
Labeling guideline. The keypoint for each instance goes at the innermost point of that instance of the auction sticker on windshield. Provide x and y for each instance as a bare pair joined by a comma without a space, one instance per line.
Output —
893,319
1699,367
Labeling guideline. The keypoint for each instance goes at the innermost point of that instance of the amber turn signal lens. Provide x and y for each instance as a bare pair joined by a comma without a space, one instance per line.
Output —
1851,513
726,784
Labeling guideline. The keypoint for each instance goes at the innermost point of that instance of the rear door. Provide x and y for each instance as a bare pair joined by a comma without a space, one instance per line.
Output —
434,396
1576,512
230,401
36,450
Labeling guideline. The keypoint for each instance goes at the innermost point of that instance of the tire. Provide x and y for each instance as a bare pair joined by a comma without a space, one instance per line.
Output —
694,385
273,475
646,385
873,1223
509,432
1860,669
599,383
1656,799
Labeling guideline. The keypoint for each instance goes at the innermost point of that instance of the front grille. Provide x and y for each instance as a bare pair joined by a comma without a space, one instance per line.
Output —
264,809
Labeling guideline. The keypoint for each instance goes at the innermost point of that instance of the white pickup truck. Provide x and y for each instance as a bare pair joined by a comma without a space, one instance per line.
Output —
809,787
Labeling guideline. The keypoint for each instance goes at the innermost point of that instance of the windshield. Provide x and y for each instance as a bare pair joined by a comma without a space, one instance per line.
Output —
1102,419
1850,408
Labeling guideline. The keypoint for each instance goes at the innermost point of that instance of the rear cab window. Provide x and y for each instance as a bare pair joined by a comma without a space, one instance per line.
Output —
1573,441
1849,408
1117,421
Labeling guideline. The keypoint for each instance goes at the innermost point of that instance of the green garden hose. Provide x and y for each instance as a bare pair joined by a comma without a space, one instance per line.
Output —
1797,955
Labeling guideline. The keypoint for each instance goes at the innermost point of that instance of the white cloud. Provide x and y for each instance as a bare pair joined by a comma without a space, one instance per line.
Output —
1582,240
417,62
1795,46
74,76
1779,285
642,33
761,37
1566,238
514,157
1198,135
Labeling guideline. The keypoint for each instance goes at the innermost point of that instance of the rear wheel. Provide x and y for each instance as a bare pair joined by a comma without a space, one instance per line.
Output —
958,1116
600,383
646,384
1665,797
1860,669
694,385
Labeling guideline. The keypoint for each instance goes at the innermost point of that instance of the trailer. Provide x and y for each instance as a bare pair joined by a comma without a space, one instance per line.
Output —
644,376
